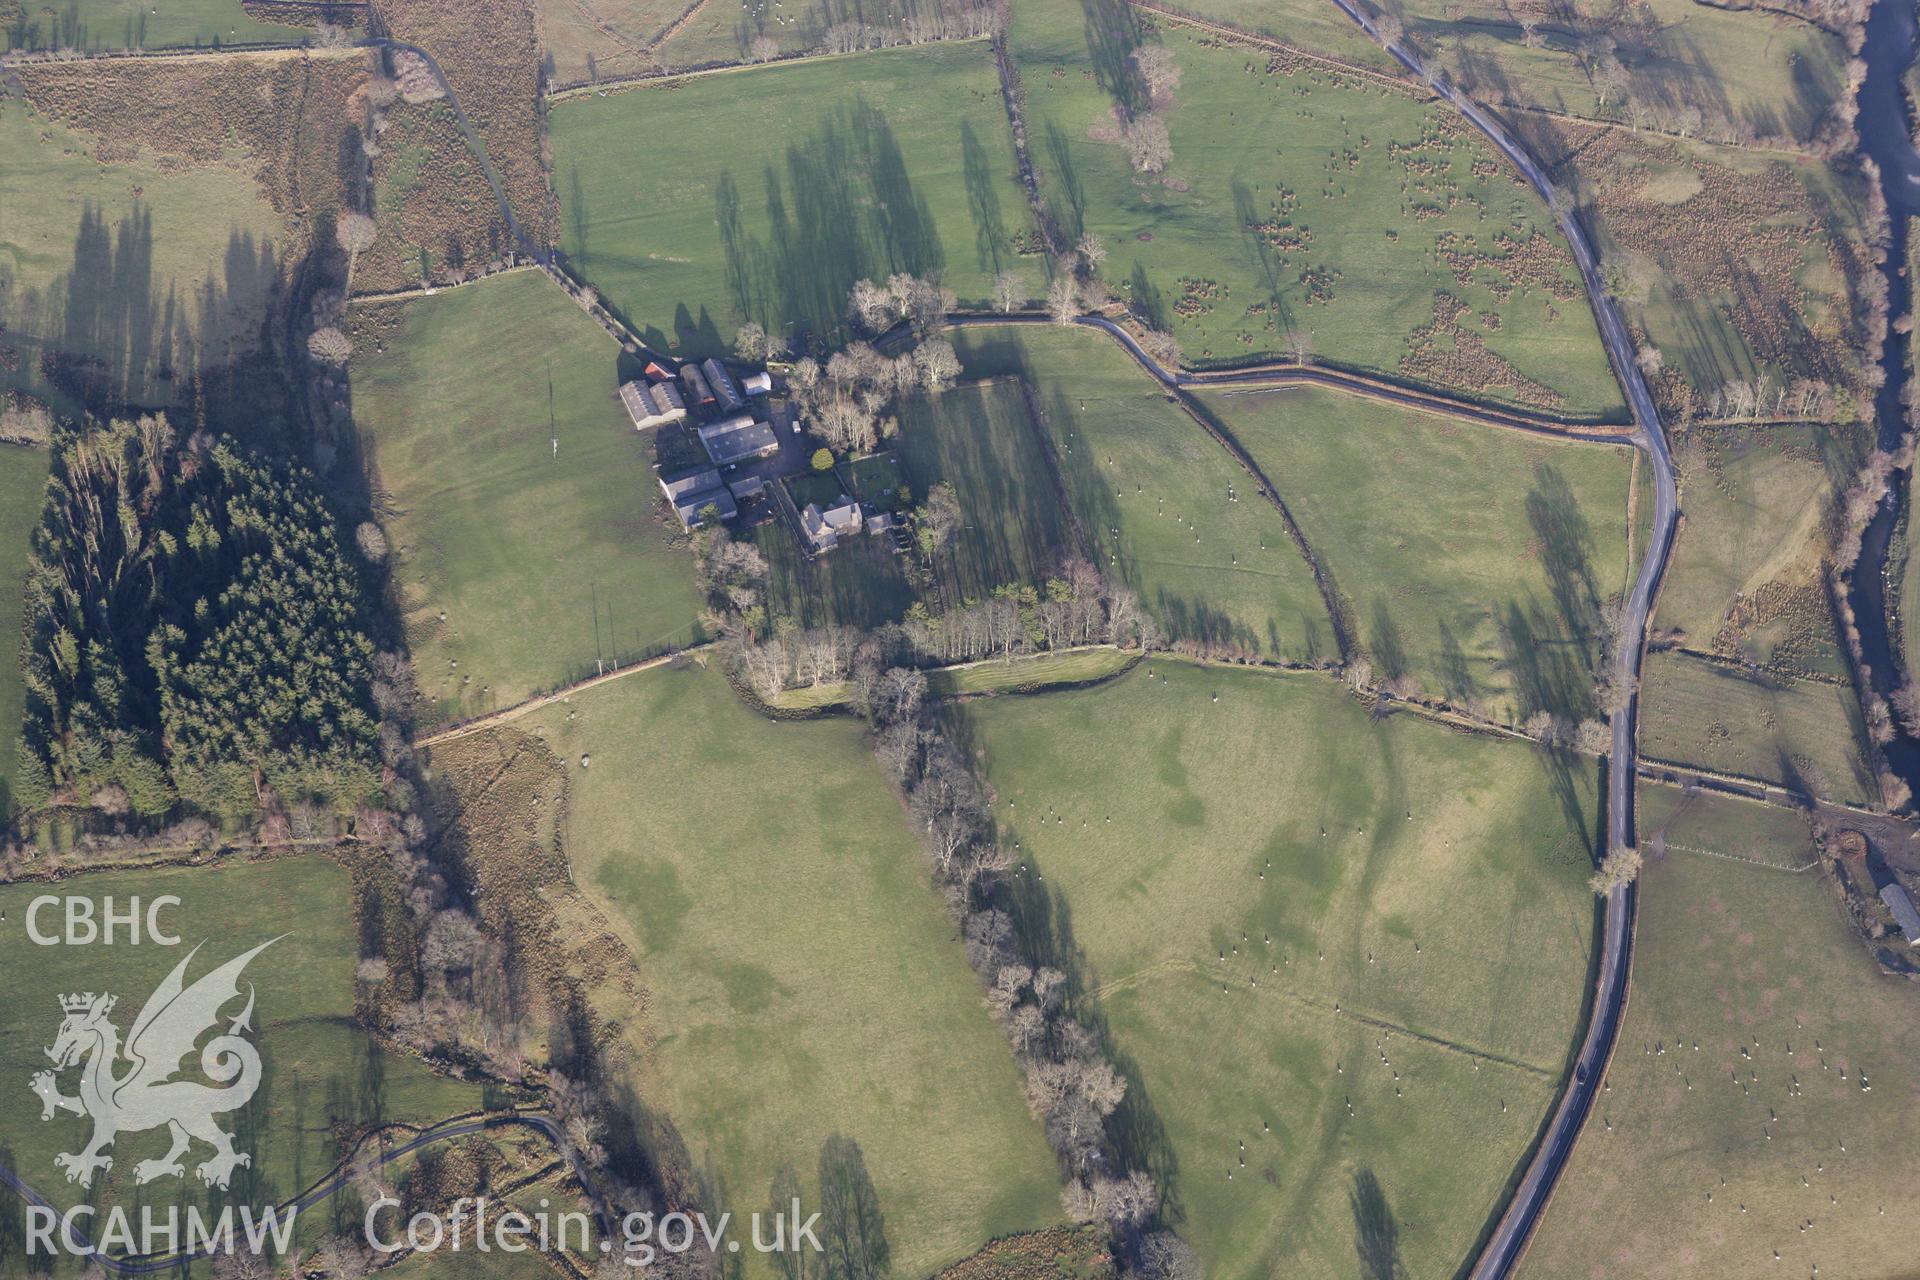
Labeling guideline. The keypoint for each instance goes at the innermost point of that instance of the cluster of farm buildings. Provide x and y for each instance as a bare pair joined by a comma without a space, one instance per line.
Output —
749,445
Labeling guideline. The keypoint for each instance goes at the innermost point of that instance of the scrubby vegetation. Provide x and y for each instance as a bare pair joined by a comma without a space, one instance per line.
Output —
197,634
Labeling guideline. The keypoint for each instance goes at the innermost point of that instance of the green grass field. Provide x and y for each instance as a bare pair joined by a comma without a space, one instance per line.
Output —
1474,561
517,545
1141,474
1803,734
1306,24
981,440
1269,893
1027,673
137,24
23,474
1339,232
1708,70
1694,821
133,264
802,978
1746,575
318,1066
803,179
1698,1177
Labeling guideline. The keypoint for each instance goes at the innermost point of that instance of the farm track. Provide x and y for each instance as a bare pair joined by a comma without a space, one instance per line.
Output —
506,715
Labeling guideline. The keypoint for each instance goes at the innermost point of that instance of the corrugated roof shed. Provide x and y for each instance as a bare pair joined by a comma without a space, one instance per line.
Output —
732,439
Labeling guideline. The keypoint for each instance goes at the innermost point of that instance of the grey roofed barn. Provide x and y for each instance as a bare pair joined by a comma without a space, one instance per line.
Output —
737,438
723,386
1897,900
651,406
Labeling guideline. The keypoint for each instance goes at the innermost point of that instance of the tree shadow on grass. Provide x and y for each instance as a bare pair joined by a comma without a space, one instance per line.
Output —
1376,1233
842,208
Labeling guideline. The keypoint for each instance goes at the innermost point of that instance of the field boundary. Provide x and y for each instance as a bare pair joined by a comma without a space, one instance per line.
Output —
506,715
669,76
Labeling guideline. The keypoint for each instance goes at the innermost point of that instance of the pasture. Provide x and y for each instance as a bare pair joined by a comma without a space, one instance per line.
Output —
96,25
802,979
1746,579
321,1076
1382,235
1806,735
1748,271
1023,673
1474,562
1687,820
1151,490
132,269
1737,1111
23,475
807,177
980,439
1721,73
518,499
1268,895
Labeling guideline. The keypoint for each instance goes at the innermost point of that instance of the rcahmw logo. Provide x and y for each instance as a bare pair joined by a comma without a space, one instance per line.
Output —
131,1087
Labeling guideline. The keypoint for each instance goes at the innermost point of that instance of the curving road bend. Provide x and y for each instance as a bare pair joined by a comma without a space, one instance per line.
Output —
1502,1248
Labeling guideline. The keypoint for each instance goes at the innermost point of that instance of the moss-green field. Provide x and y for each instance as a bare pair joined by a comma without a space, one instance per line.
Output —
1736,1107
765,193
319,1068
1268,894
459,399
1709,70
1804,734
1685,820
135,264
802,977
1151,490
1746,573
1300,199
23,474
1473,561
138,24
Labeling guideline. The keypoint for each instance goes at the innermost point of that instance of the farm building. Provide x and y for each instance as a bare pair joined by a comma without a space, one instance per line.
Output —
722,384
1895,896
758,384
693,491
824,529
697,390
652,406
746,487
738,438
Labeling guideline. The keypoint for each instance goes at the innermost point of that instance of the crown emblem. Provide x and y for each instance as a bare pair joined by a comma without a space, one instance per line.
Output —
82,1003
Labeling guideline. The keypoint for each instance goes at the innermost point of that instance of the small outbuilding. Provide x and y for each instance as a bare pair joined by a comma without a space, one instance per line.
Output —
757,384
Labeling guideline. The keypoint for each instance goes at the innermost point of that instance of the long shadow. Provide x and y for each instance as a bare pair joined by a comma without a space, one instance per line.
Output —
841,207
1376,1232
1565,542
1113,32
983,198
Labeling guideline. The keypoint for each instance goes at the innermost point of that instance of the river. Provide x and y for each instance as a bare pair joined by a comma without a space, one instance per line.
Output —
1886,136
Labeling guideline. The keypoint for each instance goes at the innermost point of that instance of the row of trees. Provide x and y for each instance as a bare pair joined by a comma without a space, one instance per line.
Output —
1071,1083
196,633
1074,607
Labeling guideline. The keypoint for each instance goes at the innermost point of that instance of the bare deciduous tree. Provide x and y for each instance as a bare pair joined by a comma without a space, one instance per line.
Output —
1092,251
329,345
1149,147
1619,867
1063,298
1009,291
763,49
1158,71
356,233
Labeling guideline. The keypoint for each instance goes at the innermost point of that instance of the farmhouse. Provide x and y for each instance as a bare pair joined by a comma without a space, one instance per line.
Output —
693,491
1894,894
722,385
736,439
824,529
652,405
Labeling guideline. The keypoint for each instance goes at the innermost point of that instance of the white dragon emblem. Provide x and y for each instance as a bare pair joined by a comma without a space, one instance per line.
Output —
145,1095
